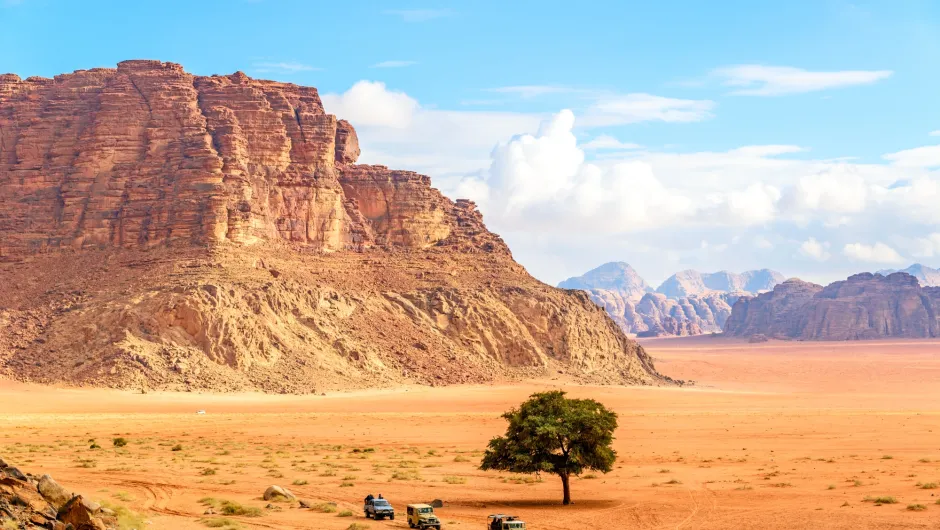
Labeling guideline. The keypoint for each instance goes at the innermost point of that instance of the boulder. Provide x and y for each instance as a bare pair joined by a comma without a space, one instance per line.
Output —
436,503
78,513
55,494
278,494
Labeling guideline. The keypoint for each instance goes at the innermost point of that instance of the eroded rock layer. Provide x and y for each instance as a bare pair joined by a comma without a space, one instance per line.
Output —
865,306
168,230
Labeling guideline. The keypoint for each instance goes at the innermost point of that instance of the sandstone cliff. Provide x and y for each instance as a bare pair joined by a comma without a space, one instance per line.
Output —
166,230
865,306
704,304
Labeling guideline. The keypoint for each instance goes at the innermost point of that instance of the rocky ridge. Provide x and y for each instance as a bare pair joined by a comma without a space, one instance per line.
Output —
701,305
165,230
864,306
27,501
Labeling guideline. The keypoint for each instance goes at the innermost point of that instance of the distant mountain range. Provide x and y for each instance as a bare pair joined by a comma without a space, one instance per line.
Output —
864,306
687,303
928,277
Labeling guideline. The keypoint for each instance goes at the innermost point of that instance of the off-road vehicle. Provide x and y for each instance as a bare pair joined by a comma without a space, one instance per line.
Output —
502,521
379,509
422,516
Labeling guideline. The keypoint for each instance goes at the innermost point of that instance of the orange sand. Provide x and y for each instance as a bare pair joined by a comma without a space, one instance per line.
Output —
773,435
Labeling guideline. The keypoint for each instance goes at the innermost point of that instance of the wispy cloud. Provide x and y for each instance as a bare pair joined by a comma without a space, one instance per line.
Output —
621,109
419,15
760,80
531,91
607,142
393,64
283,67
923,157
935,133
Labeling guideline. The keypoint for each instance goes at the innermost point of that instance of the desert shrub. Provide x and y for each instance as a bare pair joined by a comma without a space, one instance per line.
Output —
120,442
346,484
207,471
300,482
357,526
345,513
455,480
673,481
235,508
929,486
126,519
220,522
459,458
916,507
881,500
177,447
325,507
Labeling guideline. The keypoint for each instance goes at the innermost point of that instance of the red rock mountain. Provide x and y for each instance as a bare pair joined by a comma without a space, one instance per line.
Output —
176,231
865,306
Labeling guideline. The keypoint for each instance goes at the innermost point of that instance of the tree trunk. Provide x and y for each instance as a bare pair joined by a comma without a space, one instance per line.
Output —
567,488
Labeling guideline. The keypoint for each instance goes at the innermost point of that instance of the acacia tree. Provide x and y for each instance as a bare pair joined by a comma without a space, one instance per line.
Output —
553,434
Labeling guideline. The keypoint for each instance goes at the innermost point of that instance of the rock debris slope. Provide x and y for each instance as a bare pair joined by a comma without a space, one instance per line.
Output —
165,230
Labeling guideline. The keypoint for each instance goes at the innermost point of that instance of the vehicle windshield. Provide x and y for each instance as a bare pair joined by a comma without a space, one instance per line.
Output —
425,510
380,502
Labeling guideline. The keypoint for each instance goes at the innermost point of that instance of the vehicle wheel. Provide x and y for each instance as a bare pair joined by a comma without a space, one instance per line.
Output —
391,517
410,524
367,515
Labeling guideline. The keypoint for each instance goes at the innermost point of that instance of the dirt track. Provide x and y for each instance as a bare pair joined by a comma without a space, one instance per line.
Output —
774,435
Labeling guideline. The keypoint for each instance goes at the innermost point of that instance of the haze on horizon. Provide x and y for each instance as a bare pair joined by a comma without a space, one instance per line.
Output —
801,138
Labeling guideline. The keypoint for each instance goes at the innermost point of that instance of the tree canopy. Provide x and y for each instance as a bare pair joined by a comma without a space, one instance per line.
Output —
550,433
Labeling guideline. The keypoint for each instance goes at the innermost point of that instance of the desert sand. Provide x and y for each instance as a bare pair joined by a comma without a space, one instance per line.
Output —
772,435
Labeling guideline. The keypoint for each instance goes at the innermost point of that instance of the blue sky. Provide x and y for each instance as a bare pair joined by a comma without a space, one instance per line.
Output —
689,83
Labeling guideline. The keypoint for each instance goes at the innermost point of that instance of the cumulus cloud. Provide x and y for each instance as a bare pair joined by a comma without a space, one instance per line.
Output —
542,182
877,253
761,80
813,249
369,103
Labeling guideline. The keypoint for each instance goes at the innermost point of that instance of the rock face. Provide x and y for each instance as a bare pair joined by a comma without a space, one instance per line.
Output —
26,502
654,315
703,305
166,230
926,276
691,282
615,276
865,306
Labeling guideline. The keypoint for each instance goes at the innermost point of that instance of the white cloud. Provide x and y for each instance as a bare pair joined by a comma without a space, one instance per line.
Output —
763,243
766,150
283,67
760,80
419,15
530,91
813,249
634,108
839,189
393,64
877,253
927,247
607,142
369,103
926,156
934,133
